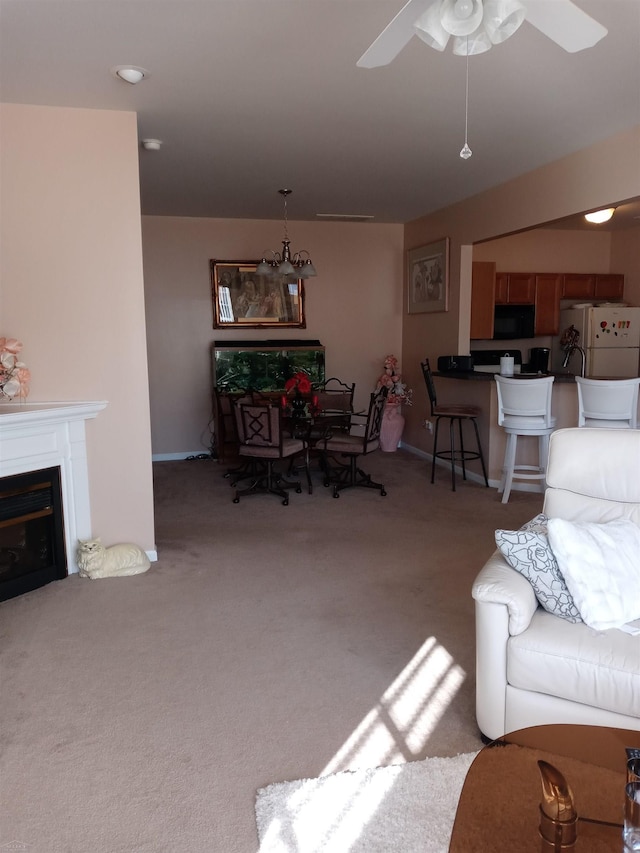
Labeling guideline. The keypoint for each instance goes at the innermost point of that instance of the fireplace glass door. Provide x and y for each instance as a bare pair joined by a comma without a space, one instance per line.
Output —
32,551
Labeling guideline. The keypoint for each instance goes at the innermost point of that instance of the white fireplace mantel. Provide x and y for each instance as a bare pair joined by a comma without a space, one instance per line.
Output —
34,436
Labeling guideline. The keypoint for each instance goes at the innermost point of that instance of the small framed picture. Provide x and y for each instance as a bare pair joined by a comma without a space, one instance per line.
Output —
244,299
428,278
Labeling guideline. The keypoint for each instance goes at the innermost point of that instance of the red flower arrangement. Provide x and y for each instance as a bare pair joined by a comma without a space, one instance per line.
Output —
299,384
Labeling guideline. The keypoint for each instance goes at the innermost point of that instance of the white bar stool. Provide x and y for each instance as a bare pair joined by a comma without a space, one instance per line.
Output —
608,403
524,408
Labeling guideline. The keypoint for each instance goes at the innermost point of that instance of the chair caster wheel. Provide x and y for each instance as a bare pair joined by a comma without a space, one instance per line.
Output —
326,484
236,500
285,502
298,490
336,494
383,494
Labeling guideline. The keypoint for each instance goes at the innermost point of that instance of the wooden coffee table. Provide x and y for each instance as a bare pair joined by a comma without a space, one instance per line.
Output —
499,811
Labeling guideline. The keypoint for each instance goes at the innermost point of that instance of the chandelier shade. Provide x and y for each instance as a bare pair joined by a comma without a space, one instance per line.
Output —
284,262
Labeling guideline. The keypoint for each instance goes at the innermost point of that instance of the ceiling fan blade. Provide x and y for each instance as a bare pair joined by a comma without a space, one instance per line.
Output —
395,35
563,22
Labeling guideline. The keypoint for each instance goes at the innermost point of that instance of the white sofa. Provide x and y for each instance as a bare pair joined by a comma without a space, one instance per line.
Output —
532,667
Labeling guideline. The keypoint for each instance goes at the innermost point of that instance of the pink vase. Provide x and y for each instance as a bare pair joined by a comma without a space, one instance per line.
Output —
391,429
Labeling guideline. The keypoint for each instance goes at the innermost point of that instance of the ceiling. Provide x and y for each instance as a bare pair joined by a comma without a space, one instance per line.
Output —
250,96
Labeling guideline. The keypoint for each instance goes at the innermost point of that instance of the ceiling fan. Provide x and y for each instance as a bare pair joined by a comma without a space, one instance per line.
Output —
475,26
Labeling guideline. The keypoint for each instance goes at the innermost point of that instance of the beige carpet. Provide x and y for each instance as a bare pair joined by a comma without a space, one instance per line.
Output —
267,643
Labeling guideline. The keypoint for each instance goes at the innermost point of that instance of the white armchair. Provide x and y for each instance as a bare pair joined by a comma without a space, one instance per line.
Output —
533,667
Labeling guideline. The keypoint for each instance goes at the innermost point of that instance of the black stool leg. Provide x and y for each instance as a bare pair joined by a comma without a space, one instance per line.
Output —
484,470
464,470
452,442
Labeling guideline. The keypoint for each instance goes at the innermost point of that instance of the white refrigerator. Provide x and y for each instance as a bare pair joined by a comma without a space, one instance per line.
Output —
610,337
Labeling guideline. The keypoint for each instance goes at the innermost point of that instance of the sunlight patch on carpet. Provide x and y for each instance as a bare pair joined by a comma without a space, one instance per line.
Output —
407,807
398,727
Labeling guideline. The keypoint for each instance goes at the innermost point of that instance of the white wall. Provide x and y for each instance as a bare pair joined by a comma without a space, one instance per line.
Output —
354,307
71,290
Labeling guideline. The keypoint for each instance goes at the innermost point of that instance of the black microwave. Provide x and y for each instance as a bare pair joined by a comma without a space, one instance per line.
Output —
514,321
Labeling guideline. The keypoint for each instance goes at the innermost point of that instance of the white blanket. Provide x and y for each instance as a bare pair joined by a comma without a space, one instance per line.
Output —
601,567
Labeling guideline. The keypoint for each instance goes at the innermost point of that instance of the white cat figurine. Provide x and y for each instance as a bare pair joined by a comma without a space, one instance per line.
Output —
96,561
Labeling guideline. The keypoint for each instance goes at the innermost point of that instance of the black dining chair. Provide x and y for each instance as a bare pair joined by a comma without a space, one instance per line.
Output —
264,443
454,413
335,399
346,475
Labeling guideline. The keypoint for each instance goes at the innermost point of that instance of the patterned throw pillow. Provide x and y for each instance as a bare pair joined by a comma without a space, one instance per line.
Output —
528,552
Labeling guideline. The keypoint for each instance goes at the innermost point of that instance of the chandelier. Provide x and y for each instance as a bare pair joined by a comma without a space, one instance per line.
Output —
284,263
474,24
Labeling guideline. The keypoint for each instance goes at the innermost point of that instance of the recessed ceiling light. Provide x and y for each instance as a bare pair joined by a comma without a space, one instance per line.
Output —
129,73
600,216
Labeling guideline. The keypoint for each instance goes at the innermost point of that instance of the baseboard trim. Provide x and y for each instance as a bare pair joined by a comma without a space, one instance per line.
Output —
173,457
471,475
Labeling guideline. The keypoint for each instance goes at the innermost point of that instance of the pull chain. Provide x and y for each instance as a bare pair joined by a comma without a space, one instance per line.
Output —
466,152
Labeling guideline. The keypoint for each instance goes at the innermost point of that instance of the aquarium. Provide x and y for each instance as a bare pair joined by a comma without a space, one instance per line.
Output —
265,365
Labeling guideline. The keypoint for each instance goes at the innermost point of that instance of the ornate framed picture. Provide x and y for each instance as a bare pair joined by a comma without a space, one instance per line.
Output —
244,299
428,278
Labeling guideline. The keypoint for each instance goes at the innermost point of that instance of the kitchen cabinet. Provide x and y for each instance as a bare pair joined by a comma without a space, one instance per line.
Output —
544,290
609,286
590,286
515,288
548,288
483,282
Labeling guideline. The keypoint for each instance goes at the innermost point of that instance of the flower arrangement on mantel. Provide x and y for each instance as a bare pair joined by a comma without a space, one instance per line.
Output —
14,374
392,379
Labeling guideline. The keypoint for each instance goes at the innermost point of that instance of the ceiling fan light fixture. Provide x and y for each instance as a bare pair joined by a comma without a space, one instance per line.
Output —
429,28
461,17
600,216
502,18
473,45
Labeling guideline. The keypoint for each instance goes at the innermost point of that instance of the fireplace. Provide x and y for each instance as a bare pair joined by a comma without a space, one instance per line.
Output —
45,444
32,551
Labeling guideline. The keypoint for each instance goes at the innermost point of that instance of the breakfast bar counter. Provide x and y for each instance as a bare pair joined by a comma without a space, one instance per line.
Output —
478,376
479,389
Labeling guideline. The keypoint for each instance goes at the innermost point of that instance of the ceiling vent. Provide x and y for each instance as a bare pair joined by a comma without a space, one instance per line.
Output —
345,217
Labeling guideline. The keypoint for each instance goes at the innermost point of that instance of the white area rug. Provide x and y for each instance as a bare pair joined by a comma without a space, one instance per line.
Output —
405,808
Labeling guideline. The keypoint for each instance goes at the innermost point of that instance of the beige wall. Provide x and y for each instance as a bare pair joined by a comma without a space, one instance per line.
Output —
625,257
546,250
71,290
603,174
354,307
